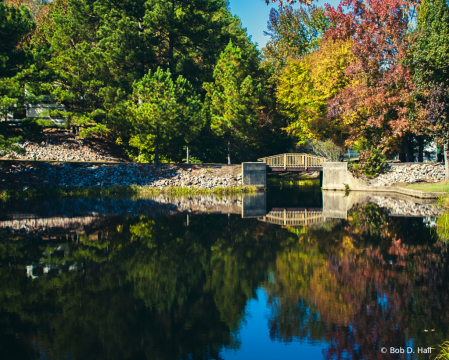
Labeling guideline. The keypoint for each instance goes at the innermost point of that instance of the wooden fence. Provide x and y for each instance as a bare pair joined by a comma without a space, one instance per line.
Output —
293,161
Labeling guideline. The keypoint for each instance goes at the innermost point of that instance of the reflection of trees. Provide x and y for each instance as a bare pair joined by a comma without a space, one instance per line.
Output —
147,288
368,282
154,288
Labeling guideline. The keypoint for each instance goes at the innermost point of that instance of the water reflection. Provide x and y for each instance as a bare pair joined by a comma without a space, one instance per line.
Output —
141,281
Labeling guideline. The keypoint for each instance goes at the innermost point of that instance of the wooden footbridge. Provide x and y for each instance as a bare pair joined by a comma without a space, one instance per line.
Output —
294,162
294,216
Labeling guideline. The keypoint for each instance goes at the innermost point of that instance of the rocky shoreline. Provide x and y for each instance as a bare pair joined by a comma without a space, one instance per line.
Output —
27,175
57,146
409,173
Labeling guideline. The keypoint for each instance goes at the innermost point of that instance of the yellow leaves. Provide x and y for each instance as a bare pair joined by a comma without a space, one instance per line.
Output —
328,67
306,85
347,243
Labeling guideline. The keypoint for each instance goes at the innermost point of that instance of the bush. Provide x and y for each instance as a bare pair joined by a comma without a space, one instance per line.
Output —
193,160
371,163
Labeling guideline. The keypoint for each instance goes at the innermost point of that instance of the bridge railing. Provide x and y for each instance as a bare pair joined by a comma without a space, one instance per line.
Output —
293,218
293,160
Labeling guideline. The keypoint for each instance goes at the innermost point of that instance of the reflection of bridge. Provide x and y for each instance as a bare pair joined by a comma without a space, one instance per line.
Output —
294,216
294,162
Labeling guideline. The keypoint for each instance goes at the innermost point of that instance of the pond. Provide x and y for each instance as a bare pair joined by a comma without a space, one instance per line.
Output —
190,278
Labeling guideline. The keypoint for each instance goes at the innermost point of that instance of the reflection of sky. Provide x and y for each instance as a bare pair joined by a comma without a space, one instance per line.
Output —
382,301
255,338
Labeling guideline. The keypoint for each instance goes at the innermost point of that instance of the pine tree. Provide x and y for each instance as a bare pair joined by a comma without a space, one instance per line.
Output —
233,97
162,109
16,25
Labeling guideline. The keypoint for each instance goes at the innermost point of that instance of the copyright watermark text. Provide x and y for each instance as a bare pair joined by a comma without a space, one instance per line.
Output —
406,350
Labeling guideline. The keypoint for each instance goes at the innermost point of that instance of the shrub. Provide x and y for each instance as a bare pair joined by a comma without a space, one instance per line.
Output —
193,160
371,163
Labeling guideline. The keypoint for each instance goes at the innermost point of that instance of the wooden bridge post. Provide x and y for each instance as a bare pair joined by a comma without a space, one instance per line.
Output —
285,161
305,215
285,216
306,158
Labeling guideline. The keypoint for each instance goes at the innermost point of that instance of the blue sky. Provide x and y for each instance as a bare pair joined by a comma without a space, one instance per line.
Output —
254,16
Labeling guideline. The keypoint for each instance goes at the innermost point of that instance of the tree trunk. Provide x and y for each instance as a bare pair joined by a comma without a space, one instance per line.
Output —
188,155
229,152
156,148
420,149
156,154
406,148
170,42
446,161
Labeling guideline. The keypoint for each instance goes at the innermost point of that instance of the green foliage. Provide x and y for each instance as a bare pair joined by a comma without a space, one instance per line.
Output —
232,94
162,109
443,227
16,25
10,145
98,129
371,163
293,33
193,160
431,67
120,191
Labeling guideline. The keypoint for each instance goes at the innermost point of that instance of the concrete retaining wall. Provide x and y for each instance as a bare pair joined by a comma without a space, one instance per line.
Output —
336,175
254,174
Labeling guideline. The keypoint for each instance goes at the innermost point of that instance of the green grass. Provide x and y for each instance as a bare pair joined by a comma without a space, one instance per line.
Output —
120,191
436,187
444,352
443,227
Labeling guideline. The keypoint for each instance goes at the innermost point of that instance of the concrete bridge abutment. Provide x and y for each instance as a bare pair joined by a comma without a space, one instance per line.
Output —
254,174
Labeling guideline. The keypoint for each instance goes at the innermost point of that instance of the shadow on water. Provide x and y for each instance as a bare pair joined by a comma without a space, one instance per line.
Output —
190,278
293,192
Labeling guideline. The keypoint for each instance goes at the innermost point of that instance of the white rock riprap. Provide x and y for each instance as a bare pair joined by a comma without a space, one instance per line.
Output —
410,173
78,150
60,175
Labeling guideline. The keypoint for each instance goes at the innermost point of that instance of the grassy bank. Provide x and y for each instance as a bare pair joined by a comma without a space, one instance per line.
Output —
120,191
442,186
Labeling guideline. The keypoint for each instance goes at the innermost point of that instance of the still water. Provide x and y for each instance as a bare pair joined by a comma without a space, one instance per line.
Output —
169,279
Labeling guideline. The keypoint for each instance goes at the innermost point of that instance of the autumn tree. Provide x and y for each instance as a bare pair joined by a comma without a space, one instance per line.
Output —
377,102
306,86
233,97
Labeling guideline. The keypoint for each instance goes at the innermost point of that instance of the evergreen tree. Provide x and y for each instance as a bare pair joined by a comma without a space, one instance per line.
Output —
431,62
16,25
233,97
161,110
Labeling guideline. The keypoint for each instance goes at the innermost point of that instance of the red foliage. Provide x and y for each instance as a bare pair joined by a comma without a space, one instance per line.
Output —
382,87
